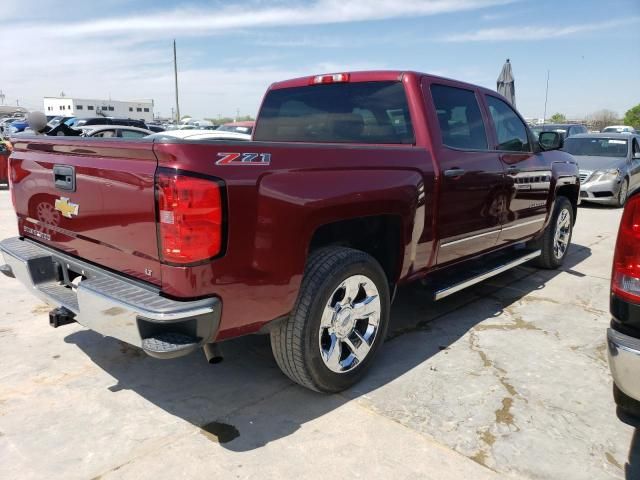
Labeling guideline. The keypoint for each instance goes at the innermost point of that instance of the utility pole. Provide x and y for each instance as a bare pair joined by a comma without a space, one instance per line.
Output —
175,75
2,95
237,114
546,96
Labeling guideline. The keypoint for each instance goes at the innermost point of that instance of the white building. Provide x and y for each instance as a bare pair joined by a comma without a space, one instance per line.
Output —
86,107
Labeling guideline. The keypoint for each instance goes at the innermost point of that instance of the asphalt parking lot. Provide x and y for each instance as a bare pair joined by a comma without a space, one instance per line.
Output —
508,379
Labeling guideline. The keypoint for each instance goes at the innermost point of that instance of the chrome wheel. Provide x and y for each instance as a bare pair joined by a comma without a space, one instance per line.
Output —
349,323
562,234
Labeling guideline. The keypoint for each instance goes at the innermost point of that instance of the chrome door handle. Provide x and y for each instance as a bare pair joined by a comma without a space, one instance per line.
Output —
454,172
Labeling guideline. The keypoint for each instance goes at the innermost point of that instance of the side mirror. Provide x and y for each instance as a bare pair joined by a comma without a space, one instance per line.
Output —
636,156
550,140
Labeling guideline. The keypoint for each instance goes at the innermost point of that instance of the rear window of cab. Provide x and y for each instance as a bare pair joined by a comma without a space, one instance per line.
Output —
360,112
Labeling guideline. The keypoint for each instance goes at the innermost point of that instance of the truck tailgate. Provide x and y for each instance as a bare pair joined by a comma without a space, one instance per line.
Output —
93,199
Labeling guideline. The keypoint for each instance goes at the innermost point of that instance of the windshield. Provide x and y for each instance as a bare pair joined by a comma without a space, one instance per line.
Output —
597,147
362,112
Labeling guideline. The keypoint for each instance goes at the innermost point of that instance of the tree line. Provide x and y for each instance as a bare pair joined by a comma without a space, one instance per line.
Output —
605,117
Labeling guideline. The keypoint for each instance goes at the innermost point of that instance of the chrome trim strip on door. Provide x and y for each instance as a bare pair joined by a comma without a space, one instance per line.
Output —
523,224
454,242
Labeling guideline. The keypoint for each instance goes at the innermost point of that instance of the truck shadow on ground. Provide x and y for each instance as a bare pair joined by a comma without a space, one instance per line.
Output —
246,402
632,468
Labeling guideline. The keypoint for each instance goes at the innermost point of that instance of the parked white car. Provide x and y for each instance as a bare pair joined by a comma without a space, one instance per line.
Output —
114,131
619,129
200,135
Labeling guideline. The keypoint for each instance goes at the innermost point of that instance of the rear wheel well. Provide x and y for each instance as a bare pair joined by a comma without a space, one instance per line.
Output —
379,236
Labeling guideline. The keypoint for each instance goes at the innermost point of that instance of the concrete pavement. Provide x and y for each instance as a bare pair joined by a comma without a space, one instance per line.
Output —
508,379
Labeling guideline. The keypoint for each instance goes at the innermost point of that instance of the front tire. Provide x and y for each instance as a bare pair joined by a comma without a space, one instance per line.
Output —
338,323
623,193
556,238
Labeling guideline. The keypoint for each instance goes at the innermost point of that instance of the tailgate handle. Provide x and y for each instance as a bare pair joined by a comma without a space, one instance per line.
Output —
64,177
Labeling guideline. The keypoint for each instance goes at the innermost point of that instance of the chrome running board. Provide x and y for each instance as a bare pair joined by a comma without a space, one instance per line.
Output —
445,292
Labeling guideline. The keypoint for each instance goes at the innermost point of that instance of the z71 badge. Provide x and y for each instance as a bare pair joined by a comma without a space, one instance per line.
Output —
244,159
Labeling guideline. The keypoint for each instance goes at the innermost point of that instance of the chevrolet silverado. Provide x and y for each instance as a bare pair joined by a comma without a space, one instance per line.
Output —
353,184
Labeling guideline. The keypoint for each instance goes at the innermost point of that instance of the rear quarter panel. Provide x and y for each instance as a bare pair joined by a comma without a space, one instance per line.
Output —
274,210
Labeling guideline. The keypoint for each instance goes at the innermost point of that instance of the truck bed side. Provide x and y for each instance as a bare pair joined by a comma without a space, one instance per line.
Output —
275,212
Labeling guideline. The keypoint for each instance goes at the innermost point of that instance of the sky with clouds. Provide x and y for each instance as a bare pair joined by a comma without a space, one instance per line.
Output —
229,52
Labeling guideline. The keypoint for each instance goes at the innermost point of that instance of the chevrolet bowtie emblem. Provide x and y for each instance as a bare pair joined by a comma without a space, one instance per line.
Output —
65,207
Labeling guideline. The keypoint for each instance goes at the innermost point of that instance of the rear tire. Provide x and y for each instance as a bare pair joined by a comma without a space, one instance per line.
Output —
556,238
338,323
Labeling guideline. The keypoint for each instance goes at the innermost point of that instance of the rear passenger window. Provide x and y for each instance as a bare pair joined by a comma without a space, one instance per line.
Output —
459,117
510,130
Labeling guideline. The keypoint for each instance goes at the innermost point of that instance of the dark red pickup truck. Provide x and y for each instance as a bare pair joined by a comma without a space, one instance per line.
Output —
353,184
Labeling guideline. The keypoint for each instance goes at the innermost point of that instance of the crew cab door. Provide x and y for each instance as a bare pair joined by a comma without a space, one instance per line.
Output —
528,174
471,190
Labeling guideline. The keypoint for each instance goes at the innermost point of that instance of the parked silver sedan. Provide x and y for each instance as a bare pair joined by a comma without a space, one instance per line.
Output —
609,165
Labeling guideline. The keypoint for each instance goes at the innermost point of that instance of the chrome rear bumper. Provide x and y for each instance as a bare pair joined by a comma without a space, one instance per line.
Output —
624,361
106,302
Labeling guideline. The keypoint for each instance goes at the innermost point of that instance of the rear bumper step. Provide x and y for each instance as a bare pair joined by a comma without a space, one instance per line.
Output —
111,304
170,345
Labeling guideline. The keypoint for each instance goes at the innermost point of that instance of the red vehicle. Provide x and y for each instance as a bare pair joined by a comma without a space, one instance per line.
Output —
623,337
4,165
353,184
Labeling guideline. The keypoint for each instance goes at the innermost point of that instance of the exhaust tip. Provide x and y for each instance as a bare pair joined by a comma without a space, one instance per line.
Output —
212,353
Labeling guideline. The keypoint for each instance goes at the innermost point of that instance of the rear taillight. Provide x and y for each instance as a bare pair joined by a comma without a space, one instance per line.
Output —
625,277
189,217
16,175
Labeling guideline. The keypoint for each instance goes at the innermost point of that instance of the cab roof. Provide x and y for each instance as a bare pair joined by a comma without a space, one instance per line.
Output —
372,76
